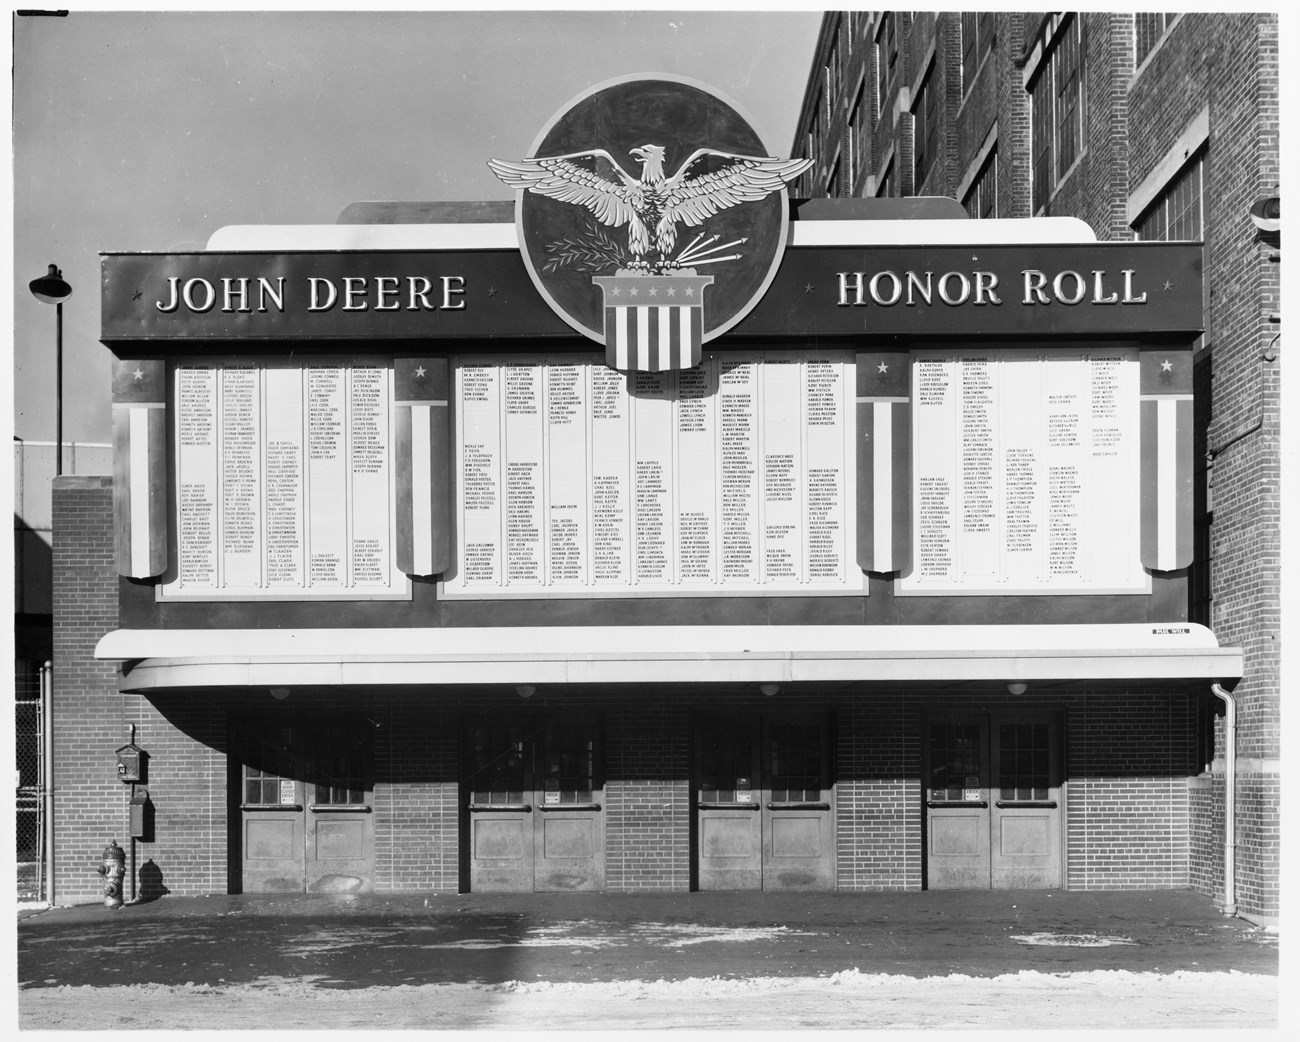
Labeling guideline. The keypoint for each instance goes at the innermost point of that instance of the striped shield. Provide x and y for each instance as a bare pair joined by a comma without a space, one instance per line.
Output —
653,323
422,457
1166,422
140,467
884,462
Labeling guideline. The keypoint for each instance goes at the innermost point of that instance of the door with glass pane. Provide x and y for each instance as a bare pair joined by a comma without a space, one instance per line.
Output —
993,813
535,815
763,793
306,821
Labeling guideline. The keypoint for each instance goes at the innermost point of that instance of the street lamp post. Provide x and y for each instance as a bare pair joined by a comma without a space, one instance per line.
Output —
51,289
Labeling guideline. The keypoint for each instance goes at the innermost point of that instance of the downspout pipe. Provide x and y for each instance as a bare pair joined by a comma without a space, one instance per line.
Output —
1229,799
46,868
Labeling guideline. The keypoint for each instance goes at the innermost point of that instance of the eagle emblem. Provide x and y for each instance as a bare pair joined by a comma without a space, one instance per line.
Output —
651,217
653,205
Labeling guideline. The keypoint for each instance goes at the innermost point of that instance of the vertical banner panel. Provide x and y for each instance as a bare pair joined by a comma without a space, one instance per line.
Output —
884,461
421,462
140,507
1166,434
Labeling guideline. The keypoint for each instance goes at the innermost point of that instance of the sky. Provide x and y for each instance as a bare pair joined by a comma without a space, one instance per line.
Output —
149,130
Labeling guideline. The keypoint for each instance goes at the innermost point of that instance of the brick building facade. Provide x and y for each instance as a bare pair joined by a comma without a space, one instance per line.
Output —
772,714
1145,127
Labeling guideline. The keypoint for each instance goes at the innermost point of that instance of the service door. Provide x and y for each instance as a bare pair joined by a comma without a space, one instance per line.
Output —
306,821
993,814
764,818
536,820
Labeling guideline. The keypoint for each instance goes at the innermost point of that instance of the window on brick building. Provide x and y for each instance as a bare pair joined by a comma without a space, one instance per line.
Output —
981,198
858,127
1178,212
925,128
817,128
885,186
833,186
977,36
1148,29
886,58
1056,111
835,61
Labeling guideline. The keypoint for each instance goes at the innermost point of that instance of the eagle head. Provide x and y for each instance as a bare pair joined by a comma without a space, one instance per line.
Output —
651,158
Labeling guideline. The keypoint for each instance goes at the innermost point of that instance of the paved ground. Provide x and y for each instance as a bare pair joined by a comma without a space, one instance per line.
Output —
368,944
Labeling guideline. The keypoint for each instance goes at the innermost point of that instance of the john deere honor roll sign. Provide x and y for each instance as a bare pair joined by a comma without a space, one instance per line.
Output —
935,414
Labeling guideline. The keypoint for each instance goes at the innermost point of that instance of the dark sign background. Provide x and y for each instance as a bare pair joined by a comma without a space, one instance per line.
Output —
504,309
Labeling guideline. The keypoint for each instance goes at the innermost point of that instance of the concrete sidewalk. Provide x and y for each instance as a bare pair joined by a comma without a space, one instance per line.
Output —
382,940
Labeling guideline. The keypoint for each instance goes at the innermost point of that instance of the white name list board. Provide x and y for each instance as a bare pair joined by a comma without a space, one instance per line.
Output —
734,477
1025,472
284,482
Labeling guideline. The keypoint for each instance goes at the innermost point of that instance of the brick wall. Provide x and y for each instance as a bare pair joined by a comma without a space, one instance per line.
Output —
90,804
647,793
1228,64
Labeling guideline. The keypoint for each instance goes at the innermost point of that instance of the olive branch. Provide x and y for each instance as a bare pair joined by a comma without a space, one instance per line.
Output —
592,250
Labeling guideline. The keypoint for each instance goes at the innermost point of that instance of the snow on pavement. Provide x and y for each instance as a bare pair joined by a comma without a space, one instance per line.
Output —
845,1000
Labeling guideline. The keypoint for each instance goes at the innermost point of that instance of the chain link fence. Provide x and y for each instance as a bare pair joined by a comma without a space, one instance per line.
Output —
28,777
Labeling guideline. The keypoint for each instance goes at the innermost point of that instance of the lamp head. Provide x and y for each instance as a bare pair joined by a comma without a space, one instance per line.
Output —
50,288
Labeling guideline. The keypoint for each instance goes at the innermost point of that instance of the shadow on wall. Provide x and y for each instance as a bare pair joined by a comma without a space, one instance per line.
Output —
151,883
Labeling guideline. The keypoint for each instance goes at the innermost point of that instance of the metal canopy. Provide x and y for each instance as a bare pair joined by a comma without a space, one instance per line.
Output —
178,659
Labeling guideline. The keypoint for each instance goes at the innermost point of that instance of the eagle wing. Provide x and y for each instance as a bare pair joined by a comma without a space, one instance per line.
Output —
565,178
741,179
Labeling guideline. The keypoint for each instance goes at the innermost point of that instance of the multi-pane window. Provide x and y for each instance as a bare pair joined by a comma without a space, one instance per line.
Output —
925,128
954,761
1179,211
338,769
1056,102
567,763
497,769
976,40
981,198
795,763
1148,29
1024,761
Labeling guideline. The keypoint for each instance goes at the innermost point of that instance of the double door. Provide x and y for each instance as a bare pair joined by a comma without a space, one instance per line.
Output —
305,813
763,803
535,804
993,802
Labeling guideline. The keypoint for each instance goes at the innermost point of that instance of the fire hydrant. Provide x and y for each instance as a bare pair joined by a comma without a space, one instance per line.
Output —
113,869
